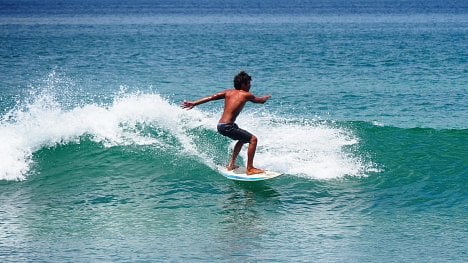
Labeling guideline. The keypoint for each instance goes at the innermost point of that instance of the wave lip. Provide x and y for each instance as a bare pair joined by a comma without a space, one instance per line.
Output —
43,123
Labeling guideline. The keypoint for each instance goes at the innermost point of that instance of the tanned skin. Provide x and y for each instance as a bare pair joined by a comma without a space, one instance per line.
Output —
234,102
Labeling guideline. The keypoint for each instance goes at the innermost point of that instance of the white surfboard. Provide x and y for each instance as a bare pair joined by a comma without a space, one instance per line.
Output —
240,175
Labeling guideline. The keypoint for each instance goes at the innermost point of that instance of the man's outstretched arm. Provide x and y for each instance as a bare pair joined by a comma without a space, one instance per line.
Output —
262,99
190,104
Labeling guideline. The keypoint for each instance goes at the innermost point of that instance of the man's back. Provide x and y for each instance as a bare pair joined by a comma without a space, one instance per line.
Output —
234,102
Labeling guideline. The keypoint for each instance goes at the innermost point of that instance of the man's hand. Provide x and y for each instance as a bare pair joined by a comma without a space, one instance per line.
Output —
266,97
188,105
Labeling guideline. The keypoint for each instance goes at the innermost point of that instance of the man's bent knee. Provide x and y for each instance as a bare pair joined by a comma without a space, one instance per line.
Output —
253,139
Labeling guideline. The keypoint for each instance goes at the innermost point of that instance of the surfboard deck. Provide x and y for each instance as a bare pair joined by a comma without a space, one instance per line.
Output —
239,174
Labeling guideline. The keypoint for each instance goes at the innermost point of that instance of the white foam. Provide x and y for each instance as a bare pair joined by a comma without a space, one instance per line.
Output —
290,146
43,123
304,148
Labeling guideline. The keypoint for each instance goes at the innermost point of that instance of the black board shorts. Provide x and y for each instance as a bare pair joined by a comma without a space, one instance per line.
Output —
233,131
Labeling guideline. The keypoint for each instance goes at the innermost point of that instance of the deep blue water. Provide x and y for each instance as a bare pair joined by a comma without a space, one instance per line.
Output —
367,121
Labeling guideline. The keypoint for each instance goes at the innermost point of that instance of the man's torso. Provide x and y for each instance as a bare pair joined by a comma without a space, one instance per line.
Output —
234,102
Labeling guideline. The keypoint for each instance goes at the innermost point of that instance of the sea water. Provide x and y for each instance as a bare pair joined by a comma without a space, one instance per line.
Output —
367,121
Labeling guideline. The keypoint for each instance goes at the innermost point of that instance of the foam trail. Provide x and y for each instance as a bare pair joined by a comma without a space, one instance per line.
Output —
303,148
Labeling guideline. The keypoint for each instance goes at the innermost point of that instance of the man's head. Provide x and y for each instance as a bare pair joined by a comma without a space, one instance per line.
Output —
242,79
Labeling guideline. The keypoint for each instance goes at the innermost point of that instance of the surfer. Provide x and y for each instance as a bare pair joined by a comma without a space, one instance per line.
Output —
234,102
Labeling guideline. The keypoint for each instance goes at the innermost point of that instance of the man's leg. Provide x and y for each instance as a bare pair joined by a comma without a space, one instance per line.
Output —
235,153
250,156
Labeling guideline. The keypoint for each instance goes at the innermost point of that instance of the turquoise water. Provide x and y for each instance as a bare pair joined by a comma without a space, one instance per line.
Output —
367,121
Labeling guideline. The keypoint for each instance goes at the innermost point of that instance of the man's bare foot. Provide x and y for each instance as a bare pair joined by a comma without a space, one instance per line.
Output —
232,167
254,171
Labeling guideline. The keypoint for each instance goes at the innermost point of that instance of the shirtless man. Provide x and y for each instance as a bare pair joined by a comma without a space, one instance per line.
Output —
234,102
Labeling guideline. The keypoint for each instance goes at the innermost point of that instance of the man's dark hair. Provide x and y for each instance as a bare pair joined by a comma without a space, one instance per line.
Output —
241,78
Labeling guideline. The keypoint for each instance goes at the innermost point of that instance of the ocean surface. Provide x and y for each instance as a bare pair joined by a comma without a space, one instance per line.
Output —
368,121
